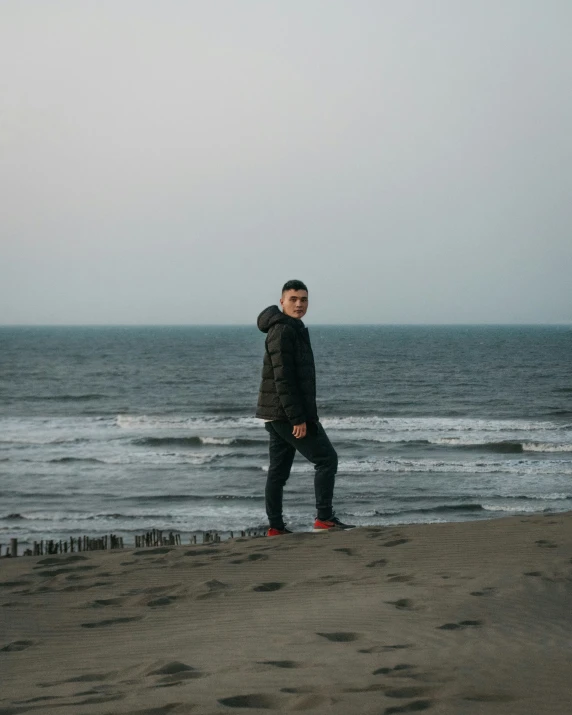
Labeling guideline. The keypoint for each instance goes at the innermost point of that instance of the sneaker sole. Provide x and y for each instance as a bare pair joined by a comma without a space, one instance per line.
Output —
334,528
330,528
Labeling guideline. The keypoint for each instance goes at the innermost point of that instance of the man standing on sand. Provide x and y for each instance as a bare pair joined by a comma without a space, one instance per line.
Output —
287,404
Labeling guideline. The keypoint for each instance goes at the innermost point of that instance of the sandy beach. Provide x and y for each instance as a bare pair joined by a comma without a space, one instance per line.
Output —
459,618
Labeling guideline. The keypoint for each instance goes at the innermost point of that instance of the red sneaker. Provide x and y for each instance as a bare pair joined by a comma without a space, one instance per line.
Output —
278,532
332,523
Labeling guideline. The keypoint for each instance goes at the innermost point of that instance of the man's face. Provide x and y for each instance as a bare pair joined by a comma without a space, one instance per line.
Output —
294,303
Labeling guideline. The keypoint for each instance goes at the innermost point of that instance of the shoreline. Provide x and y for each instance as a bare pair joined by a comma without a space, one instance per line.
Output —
454,618
170,536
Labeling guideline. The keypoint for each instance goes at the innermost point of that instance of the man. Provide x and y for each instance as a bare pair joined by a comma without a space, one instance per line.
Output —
287,404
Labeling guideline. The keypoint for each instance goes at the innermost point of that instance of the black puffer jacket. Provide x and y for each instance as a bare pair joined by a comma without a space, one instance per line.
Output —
288,387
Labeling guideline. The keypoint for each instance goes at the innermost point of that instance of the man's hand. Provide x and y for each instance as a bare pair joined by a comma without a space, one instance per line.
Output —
299,431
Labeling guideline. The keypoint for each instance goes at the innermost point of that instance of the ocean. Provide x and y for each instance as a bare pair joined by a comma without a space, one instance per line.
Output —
125,429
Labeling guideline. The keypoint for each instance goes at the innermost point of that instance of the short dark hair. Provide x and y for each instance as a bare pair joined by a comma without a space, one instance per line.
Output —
294,285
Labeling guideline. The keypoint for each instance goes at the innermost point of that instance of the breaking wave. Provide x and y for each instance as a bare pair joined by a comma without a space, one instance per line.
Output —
193,441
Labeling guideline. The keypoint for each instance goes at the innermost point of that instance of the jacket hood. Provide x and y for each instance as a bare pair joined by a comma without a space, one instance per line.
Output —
272,315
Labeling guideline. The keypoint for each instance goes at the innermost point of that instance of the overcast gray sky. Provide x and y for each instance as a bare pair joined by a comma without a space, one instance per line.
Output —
177,161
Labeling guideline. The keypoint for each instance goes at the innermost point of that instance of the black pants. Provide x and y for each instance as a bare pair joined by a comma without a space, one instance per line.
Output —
317,448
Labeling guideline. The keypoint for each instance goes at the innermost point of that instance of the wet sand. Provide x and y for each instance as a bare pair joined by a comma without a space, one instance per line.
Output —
468,618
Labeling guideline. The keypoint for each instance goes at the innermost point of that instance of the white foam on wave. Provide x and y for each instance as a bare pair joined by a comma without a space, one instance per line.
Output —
404,466
546,447
217,440
526,446
181,422
510,508
162,458
436,424
34,432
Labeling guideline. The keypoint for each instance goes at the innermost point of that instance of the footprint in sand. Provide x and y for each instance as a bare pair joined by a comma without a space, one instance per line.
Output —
349,552
250,557
396,668
310,701
89,678
375,688
174,673
340,636
85,678
544,544
39,699
270,586
332,579
78,587
173,668
490,698
163,601
551,579
214,588
14,584
70,569
16,646
110,622
280,663
101,699
95,690
403,604
151,590
376,533
385,648
414,706
487,591
104,602
379,562
395,542
55,561
399,578
253,700
201,552
459,626
413,691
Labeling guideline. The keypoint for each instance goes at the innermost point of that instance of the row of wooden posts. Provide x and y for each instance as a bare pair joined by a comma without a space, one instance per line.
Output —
104,543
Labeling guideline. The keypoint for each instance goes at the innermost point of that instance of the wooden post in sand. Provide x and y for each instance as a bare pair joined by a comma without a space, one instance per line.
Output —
13,547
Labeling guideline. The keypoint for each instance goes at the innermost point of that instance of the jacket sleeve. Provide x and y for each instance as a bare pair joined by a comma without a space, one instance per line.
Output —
280,346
